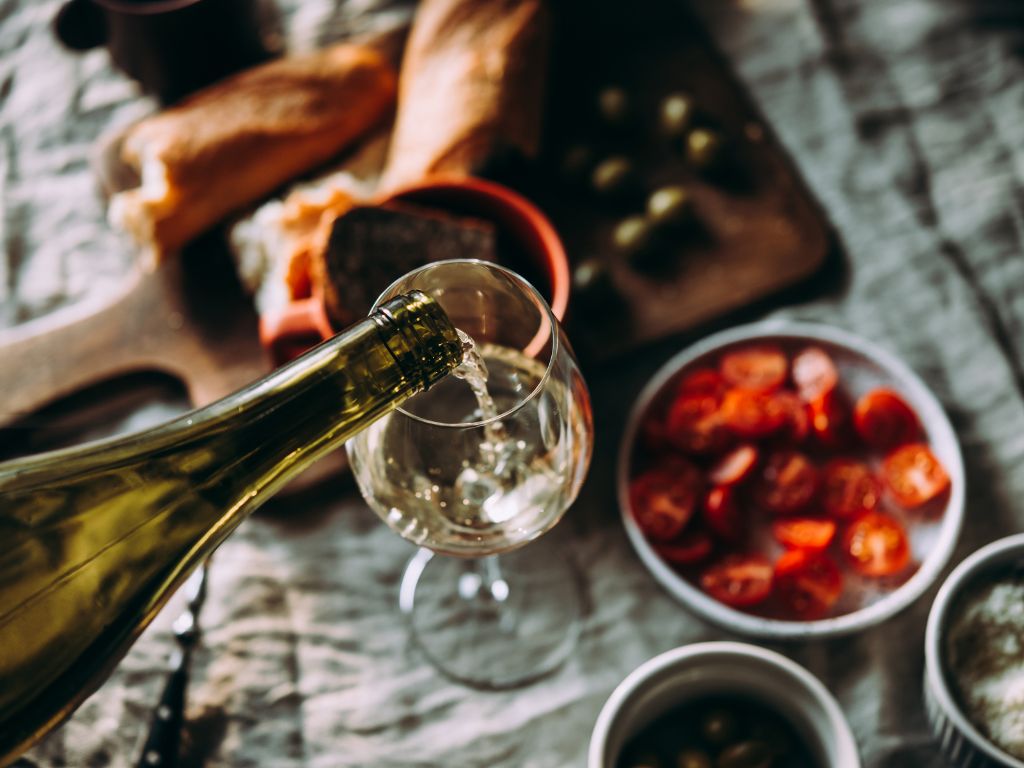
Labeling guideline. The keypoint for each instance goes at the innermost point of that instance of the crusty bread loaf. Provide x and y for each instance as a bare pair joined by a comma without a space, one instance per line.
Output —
234,142
472,86
276,245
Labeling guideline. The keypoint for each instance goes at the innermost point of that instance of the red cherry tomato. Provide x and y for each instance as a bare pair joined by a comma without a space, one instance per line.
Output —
695,425
786,483
876,545
739,580
814,373
722,513
797,421
692,547
663,499
761,368
804,533
848,488
734,467
830,420
809,583
703,381
914,475
750,414
883,420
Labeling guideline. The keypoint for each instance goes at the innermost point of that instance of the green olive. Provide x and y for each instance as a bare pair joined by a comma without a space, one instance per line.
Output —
613,106
676,114
576,163
719,726
704,149
633,237
592,281
693,758
746,754
670,206
613,177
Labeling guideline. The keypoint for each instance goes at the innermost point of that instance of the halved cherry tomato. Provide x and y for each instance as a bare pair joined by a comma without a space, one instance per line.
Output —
786,483
914,475
849,487
876,545
739,580
884,420
722,513
663,499
831,419
703,381
692,547
804,533
797,421
761,368
734,467
814,373
751,414
809,583
694,424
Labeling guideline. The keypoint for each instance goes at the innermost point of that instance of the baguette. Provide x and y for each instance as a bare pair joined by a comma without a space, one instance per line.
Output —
235,142
471,87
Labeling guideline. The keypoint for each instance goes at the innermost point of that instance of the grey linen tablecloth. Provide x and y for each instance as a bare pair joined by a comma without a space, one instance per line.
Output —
906,116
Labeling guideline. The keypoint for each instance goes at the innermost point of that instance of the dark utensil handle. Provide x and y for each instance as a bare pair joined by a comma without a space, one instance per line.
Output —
164,738
80,25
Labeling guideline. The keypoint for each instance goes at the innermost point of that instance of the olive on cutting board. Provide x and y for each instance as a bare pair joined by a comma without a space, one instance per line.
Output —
676,114
705,149
577,162
592,284
613,107
635,239
614,178
718,731
670,207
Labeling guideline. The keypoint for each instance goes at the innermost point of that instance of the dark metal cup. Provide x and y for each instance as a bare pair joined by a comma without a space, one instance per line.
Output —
171,47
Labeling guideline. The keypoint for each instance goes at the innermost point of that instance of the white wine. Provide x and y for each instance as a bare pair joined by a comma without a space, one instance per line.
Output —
95,539
483,468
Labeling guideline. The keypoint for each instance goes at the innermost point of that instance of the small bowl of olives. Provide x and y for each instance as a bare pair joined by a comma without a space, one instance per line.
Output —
721,705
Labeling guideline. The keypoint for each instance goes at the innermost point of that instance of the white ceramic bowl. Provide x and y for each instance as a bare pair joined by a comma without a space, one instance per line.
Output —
862,366
704,669
962,744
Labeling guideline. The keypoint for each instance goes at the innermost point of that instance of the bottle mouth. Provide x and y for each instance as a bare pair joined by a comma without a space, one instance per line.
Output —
478,294
428,336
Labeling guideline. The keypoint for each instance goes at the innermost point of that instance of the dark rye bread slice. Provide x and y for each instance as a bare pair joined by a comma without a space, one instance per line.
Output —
372,245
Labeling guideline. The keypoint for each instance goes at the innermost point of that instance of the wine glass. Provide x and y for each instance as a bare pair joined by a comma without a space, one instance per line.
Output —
463,477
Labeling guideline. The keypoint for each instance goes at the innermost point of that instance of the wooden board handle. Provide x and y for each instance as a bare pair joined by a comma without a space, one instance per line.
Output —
42,361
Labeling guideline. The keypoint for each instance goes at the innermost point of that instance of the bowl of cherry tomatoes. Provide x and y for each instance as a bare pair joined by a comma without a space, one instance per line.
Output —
791,480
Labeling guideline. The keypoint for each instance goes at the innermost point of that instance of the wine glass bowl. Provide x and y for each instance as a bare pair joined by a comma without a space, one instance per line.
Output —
420,468
461,475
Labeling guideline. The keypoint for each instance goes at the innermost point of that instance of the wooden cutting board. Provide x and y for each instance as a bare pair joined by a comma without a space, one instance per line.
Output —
757,232
188,318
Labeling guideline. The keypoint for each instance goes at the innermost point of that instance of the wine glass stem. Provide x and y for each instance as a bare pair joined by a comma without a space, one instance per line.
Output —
492,580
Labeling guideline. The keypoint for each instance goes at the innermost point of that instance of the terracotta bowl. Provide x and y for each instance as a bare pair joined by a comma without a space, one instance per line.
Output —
304,323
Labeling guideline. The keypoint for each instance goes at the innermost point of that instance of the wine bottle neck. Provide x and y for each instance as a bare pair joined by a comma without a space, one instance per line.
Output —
420,336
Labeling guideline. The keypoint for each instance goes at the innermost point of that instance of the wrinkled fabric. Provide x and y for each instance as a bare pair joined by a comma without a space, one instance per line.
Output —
905,117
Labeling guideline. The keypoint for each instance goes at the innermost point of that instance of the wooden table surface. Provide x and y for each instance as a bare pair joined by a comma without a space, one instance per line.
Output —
906,118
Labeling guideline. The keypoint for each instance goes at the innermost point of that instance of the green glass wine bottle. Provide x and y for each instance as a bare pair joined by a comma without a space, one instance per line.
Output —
94,540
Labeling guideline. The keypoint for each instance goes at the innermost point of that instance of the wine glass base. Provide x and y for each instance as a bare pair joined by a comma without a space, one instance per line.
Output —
495,623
